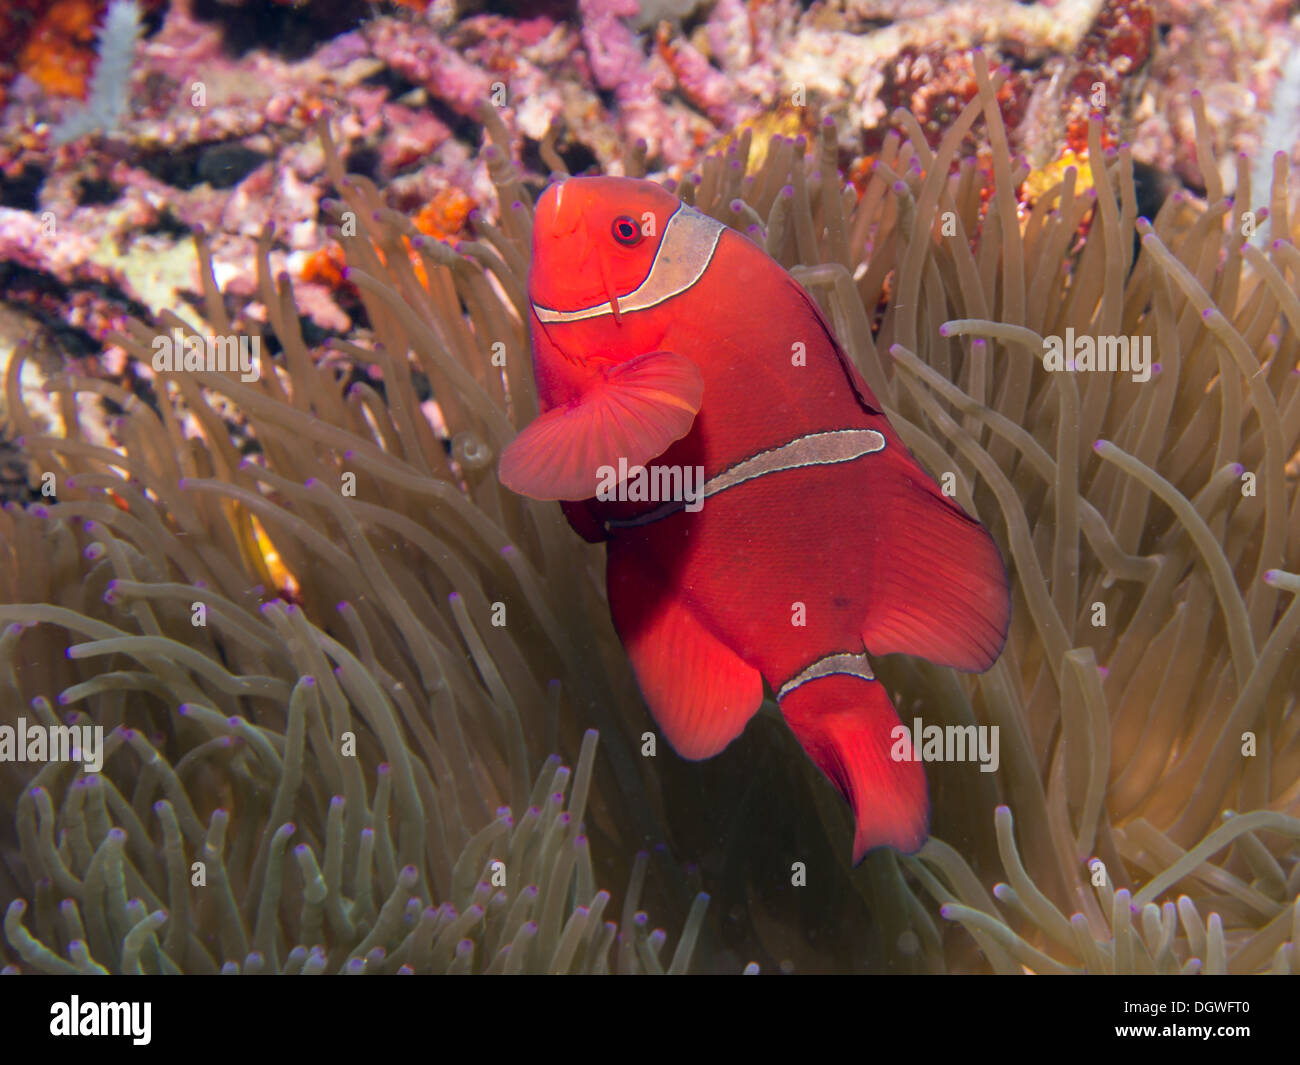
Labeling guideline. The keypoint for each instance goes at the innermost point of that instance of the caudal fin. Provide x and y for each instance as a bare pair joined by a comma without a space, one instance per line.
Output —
846,725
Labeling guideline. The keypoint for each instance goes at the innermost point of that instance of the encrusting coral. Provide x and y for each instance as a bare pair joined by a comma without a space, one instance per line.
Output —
1147,709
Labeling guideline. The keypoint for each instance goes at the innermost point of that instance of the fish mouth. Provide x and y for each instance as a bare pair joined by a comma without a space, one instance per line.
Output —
562,219
565,217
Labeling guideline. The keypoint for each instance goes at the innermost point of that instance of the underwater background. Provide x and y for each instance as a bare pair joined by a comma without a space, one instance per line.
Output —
364,709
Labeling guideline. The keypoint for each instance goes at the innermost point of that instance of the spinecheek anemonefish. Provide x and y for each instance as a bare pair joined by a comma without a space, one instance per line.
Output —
662,337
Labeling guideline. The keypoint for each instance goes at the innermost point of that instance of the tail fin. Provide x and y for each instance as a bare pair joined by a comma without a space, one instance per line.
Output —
846,725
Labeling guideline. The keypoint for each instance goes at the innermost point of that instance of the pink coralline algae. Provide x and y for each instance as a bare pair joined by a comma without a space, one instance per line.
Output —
223,138
618,64
420,56
699,81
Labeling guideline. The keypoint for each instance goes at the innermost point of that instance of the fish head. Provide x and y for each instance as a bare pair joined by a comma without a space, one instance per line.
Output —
595,240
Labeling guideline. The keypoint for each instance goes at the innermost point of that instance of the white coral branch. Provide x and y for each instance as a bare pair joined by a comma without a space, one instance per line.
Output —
109,87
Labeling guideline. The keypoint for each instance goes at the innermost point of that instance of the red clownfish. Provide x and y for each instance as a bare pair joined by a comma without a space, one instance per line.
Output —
763,520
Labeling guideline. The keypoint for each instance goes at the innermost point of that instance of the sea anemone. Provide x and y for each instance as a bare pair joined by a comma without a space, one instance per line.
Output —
378,690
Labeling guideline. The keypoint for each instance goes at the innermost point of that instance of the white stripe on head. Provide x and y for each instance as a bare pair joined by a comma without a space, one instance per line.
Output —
685,251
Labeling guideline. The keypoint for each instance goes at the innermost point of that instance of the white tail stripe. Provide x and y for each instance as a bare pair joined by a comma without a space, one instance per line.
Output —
689,241
854,665
815,449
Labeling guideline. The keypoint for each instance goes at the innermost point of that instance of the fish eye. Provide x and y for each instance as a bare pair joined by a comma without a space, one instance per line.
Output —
626,231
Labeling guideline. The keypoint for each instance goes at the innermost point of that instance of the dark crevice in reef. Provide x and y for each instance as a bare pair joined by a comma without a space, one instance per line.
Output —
225,165
363,160
390,79
22,191
167,225
222,164
96,192
292,32
524,9
462,128
578,158
45,298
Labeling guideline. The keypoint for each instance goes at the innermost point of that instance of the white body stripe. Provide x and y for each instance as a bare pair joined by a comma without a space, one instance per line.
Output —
815,449
689,241
855,665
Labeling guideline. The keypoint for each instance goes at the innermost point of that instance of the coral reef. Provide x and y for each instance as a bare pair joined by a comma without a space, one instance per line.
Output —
233,148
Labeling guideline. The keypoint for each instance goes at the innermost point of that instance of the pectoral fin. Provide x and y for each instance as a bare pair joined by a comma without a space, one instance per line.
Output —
632,411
